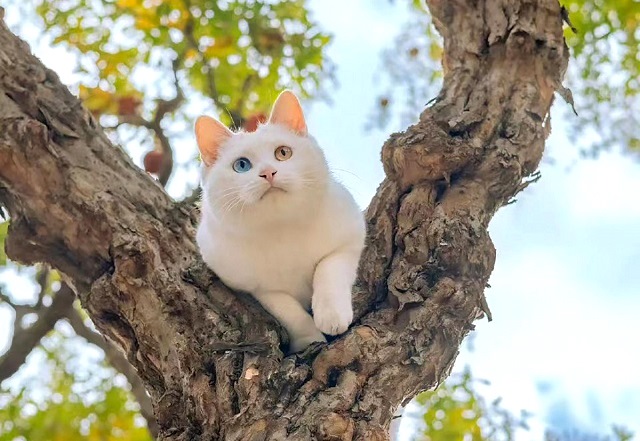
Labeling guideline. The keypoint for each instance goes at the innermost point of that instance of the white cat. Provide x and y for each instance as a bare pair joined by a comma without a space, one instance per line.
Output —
276,224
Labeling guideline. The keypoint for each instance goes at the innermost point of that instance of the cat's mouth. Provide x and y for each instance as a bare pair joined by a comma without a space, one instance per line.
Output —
271,191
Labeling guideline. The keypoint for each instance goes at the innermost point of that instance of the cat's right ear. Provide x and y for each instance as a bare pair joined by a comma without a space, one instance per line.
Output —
210,135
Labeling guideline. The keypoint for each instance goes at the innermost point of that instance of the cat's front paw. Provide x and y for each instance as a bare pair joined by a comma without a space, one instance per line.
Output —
331,318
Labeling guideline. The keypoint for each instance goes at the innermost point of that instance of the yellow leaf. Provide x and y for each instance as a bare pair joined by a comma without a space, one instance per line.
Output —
190,54
127,3
221,47
435,51
145,24
98,100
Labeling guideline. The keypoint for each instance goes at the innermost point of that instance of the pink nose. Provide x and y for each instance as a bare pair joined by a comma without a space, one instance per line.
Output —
269,174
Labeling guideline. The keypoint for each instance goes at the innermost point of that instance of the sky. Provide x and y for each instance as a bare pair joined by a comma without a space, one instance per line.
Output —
564,343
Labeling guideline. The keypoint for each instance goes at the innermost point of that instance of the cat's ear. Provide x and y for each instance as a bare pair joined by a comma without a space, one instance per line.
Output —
288,112
210,135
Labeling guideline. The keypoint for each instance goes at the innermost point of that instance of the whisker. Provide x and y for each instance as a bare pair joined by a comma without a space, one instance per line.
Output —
233,189
235,203
347,171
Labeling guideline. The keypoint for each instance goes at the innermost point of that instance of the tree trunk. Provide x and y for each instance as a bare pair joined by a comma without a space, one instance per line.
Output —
211,358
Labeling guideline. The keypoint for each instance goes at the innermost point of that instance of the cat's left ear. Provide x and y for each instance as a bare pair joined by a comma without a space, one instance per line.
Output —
288,112
210,135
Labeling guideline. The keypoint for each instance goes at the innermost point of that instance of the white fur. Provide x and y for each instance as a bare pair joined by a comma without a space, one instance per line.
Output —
294,248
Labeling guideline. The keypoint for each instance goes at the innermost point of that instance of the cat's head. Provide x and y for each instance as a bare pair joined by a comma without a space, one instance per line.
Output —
272,171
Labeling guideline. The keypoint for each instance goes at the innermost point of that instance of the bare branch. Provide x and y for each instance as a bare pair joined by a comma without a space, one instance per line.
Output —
246,86
42,278
165,107
134,120
24,340
20,309
119,362
164,145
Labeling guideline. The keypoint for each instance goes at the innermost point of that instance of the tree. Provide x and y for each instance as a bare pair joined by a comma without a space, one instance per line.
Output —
181,40
603,42
211,359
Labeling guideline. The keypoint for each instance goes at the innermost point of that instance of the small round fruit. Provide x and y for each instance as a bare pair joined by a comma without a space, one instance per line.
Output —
152,161
251,124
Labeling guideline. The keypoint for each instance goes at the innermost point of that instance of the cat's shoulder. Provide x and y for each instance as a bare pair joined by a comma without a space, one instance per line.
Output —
339,195
343,210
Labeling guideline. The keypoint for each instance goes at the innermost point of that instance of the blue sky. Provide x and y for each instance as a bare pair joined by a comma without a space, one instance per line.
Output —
564,342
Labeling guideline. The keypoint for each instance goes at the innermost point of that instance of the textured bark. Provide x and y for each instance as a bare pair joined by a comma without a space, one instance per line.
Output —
210,358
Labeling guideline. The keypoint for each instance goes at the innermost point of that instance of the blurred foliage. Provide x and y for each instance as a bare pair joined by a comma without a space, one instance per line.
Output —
239,53
455,411
604,73
59,402
412,67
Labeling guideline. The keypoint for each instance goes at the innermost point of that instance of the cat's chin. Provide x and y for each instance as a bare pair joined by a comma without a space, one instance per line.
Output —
271,192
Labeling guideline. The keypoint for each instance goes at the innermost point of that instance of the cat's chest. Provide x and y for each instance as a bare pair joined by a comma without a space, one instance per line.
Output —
279,260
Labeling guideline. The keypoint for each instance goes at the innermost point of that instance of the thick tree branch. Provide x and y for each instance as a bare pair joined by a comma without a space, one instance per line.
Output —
210,358
24,340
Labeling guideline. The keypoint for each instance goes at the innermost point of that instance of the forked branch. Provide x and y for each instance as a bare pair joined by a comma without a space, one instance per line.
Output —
210,358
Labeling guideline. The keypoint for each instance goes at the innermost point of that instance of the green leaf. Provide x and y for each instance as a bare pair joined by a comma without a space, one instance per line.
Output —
248,47
3,234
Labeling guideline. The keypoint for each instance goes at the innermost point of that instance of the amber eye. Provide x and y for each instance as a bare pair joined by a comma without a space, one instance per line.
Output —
283,153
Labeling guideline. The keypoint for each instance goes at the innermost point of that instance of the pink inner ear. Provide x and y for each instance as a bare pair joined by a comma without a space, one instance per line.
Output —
210,135
288,112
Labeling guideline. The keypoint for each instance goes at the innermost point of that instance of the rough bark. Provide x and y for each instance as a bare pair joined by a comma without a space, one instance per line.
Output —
210,358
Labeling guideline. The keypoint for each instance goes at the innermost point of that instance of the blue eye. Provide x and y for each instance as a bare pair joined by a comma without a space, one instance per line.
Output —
242,165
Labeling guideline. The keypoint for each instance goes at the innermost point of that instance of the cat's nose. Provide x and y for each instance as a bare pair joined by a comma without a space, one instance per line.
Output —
268,174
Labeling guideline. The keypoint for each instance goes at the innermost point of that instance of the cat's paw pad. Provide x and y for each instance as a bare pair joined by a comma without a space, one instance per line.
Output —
331,319
301,343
